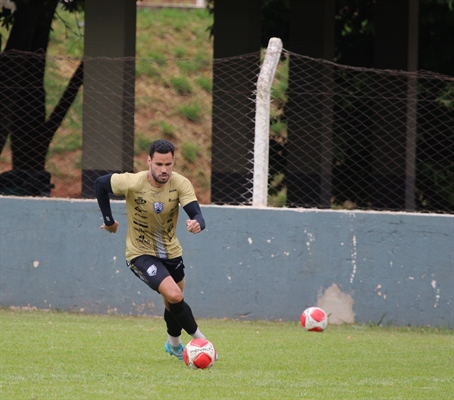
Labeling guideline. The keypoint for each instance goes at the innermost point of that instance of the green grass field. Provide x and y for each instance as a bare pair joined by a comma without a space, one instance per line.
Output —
56,355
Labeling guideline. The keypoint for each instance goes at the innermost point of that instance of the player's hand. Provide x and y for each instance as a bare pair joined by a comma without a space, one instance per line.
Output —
111,228
193,226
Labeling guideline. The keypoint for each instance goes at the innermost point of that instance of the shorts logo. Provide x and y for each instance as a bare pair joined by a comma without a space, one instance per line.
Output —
158,207
151,271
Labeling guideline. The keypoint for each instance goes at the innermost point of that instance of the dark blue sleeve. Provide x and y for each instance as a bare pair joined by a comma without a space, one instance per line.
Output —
102,190
194,212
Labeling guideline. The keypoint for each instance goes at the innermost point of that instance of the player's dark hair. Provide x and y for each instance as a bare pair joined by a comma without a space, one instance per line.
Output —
162,146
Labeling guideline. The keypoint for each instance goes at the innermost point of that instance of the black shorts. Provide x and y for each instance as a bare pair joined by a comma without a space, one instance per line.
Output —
153,270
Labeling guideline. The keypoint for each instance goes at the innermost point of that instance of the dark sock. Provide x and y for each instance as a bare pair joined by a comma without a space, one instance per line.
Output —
183,315
173,327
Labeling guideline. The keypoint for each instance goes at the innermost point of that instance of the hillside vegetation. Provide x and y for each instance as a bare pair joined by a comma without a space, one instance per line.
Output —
172,100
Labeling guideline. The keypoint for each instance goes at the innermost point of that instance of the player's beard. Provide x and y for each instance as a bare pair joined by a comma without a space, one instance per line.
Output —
161,179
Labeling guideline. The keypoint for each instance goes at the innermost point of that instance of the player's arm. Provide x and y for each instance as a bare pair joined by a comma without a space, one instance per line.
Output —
102,190
196,222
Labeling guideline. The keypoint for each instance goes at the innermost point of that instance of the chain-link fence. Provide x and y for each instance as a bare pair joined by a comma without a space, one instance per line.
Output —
362,138
340,137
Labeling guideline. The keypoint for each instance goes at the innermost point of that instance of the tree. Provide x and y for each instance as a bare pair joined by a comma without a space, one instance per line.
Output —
22,93
354,23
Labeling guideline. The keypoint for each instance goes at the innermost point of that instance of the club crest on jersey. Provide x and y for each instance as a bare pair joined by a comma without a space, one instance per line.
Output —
158,207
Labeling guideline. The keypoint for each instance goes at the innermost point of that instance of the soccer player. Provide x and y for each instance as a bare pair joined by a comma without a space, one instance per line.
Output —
153,252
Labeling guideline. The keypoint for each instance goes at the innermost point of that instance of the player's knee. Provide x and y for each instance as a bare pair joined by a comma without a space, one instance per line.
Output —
174,296
170,291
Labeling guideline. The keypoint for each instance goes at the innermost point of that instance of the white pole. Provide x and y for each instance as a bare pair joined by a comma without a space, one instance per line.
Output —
262,122
200,4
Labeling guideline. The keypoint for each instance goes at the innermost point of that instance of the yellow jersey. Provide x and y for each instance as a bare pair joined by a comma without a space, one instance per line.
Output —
152,213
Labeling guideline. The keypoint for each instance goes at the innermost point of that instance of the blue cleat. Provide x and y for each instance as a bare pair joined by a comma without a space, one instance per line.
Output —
176,351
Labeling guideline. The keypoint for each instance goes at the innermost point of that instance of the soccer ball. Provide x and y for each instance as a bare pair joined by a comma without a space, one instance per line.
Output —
314,319
199,354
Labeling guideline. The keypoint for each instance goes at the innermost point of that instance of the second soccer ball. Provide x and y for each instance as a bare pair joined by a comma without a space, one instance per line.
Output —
314,319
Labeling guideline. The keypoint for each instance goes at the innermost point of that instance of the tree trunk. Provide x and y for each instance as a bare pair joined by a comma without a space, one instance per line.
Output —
23,96
23,99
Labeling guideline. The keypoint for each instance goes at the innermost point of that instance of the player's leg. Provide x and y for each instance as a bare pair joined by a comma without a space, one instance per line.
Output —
173,346
172,294
177,315
173,326
167,278
153,272
182,314
180,310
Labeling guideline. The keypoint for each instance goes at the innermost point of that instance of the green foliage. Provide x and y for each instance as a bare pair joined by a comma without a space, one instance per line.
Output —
180,51
205,83
192,112
279,199
65,143
142,143
446,96
279,90
4,159
278,128
180,84
167,129
149,68
190,151
156,57
189,66
67,35
56,355
201,177
277,192
279,99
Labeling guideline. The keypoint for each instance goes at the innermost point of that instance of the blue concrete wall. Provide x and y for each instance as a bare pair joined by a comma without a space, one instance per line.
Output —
249,263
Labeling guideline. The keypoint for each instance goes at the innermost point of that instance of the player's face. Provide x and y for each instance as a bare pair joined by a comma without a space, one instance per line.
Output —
161,166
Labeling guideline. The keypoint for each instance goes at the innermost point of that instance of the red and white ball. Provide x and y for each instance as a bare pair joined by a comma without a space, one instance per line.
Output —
314,319
199,354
